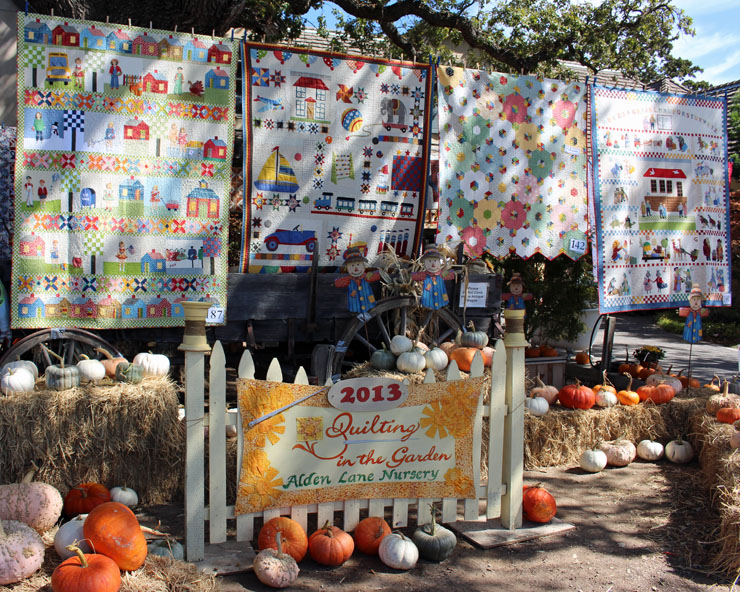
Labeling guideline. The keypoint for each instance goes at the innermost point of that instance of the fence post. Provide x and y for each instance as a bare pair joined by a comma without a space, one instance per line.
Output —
195,346
513,466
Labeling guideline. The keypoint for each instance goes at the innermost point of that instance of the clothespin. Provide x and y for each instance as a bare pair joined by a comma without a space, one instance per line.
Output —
232,33
175,28
83,15
213,33
192,30
52,13
107,19
150,25
26,7
129,22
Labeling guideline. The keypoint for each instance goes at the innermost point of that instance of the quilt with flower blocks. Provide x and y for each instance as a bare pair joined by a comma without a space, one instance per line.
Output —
512,164
123,173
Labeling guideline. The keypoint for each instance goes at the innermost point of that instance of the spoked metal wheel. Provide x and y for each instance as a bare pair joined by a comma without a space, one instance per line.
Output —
398,315
71,344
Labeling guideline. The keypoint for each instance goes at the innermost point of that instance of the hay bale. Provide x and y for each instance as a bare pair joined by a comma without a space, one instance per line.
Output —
158,574
720,466
110,433
560,436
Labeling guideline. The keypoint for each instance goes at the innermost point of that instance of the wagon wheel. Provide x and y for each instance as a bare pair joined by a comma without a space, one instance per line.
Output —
368,332
71,344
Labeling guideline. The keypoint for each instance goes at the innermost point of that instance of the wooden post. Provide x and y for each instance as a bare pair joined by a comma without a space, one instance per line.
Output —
513,465
195,346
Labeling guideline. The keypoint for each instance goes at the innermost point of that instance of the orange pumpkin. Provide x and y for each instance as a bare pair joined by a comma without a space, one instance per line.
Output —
114,531
294,539
657,393
548,352
463,356
606,385
86,573
714,384
82,498
688,382
646,372
583,358
628,396
110,363
577,396
532,352
635,370
369,532
728,415
538,504
330,545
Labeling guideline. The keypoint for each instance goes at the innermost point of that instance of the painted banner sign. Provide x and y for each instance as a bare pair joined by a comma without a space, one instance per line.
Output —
336,155
314,452
512,152
122,178
7,190
661,199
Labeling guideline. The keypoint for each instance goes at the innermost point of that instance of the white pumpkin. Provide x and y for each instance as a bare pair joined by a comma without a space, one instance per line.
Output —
593,460
124,495
537,405
71,533
27,364
17,380
650,450
410,362
679,451
154,364
436,359
21,551
90,371
401,344
619,453
605,398
398,551
658,377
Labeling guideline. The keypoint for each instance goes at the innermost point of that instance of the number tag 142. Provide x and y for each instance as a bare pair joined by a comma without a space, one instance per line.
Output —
367,394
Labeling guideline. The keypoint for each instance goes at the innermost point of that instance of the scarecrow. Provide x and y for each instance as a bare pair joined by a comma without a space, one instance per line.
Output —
516,297
434,294
360,298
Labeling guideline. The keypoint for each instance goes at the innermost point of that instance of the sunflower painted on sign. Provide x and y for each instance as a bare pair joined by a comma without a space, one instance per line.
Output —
261,485
462,483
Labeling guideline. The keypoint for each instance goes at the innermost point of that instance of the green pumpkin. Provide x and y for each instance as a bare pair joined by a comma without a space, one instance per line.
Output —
129,373
382,359
435,542
166,548
61,378
474,338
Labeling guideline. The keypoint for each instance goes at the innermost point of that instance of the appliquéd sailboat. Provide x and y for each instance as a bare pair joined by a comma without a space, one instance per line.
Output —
277,174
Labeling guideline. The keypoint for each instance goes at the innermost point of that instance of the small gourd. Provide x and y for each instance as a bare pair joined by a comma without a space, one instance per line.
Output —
124,495
436,359
153,364
27,364
628,396
593,460
410,362
71,533
679,451
129,373
398,551
434,541
537,406
166,548
382,359
401,344
619,452
21,551
474,338
90,370
60,378
650,450
547,392
17,380
274,568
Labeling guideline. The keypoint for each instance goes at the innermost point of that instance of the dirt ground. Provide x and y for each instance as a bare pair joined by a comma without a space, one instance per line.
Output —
639,528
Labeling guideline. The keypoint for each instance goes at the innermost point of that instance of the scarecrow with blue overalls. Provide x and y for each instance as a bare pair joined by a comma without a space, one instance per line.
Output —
433,291
515,297
693,313
360,297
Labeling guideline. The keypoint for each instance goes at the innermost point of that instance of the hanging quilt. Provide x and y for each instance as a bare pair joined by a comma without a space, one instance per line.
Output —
7,190
336,155
512,164
661,200
123,173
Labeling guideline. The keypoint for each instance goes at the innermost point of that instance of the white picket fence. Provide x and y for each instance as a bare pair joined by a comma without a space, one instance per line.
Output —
500,494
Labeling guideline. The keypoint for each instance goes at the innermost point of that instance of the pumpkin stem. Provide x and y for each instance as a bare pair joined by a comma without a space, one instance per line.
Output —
105,352
539,382
279,541
76,550
726,388
84,357
28,477
56,355
327,528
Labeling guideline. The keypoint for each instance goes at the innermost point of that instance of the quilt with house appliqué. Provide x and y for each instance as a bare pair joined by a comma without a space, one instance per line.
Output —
122,180
661,199
336,155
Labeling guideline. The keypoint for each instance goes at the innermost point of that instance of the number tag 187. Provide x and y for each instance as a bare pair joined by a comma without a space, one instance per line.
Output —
367,394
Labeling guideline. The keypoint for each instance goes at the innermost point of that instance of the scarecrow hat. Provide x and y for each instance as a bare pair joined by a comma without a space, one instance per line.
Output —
432,252
695,291
353,254
516,278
